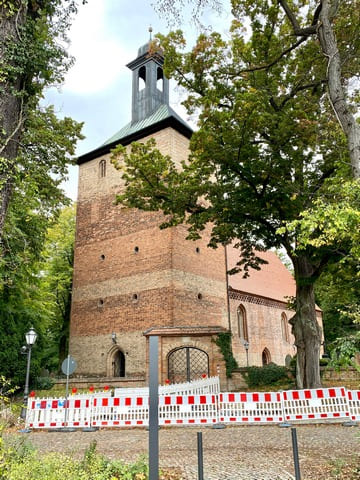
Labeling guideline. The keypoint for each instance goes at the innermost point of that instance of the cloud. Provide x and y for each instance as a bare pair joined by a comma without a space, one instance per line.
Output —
99,56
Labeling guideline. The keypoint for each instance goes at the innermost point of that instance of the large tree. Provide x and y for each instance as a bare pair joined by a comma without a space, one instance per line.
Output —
56,285
330,21
32,56
27,298
268,140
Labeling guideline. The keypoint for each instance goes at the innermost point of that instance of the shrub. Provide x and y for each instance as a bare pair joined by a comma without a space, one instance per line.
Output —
19,461
259,376
44,383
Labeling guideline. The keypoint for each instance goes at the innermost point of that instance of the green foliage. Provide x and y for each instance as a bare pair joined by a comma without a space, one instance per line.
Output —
343,351
266,375
35,285
223,341
333,218
338,294
18,460
33,57
43,383
56,285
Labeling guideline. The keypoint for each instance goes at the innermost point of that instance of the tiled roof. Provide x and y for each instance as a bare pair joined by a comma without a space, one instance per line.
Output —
163,112
273,280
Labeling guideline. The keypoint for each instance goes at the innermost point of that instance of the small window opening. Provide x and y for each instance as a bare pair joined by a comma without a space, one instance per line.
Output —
135,297
101,302
136,249
160,80
142,78
197,249
102,168
102,257
199,296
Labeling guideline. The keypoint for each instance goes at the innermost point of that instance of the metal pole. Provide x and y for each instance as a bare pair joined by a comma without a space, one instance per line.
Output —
295,453
153,408
26,389
247,357
67,392
200,456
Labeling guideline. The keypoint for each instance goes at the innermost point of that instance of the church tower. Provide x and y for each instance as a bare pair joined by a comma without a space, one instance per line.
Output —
133,280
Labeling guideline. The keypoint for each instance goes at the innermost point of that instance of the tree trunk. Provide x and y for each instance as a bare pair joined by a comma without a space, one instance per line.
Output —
336,92
305,327
11,105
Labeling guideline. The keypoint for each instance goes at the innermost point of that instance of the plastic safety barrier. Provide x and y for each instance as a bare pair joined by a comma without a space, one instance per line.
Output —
320,403
133,410
56,413
250,407
187,409
120,411
354,404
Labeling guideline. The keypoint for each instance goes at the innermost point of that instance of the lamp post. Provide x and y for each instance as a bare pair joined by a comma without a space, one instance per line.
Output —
246,346
30,337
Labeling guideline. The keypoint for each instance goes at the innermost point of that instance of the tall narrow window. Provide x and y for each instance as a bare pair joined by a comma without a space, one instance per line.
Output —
242,323
266,357
285,328
142,78
160,79
102,168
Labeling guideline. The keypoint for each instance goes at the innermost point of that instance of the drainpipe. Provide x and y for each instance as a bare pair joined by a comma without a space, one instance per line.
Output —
227,288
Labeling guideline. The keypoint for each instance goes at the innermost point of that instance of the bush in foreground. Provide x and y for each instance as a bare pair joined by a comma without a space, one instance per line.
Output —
18,460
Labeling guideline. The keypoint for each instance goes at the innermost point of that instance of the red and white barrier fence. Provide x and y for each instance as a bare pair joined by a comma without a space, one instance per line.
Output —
318,403
57,413
250,407
133,410
120,411
188,409
354,404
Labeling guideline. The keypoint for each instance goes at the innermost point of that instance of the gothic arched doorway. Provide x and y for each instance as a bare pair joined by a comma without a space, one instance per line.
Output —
266,357
118,364
186,364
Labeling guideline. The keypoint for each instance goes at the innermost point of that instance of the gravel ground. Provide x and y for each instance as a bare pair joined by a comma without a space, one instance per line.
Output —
326,451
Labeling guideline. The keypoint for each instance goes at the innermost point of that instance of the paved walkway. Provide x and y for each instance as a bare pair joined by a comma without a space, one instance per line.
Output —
234,453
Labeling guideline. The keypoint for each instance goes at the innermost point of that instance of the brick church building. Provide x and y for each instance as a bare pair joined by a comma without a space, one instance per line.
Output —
133,280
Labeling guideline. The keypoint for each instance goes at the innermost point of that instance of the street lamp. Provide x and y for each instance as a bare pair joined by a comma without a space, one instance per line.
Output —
246,346
30,338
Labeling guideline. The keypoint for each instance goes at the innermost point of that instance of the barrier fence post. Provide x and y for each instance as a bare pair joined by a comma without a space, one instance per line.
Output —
153,407
295,453
200,456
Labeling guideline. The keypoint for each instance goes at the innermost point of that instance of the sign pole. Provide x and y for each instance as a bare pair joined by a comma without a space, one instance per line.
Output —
153,408
67,390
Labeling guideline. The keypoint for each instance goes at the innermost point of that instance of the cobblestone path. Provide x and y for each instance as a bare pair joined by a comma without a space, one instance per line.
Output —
233,453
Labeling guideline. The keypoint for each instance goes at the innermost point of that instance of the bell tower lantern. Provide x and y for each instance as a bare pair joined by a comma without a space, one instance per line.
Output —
150,88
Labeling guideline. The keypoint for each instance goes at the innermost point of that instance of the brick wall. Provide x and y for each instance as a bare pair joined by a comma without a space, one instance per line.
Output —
129,275
264,331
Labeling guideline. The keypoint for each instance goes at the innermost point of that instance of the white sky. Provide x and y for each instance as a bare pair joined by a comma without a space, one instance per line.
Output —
105,36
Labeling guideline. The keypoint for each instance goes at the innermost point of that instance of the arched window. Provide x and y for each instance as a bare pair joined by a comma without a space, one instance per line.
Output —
186,364
102,168
242,323
160,79
266,357
118,364
285,327
142,78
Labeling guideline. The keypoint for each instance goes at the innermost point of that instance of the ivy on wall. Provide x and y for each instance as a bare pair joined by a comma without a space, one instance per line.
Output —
223,341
